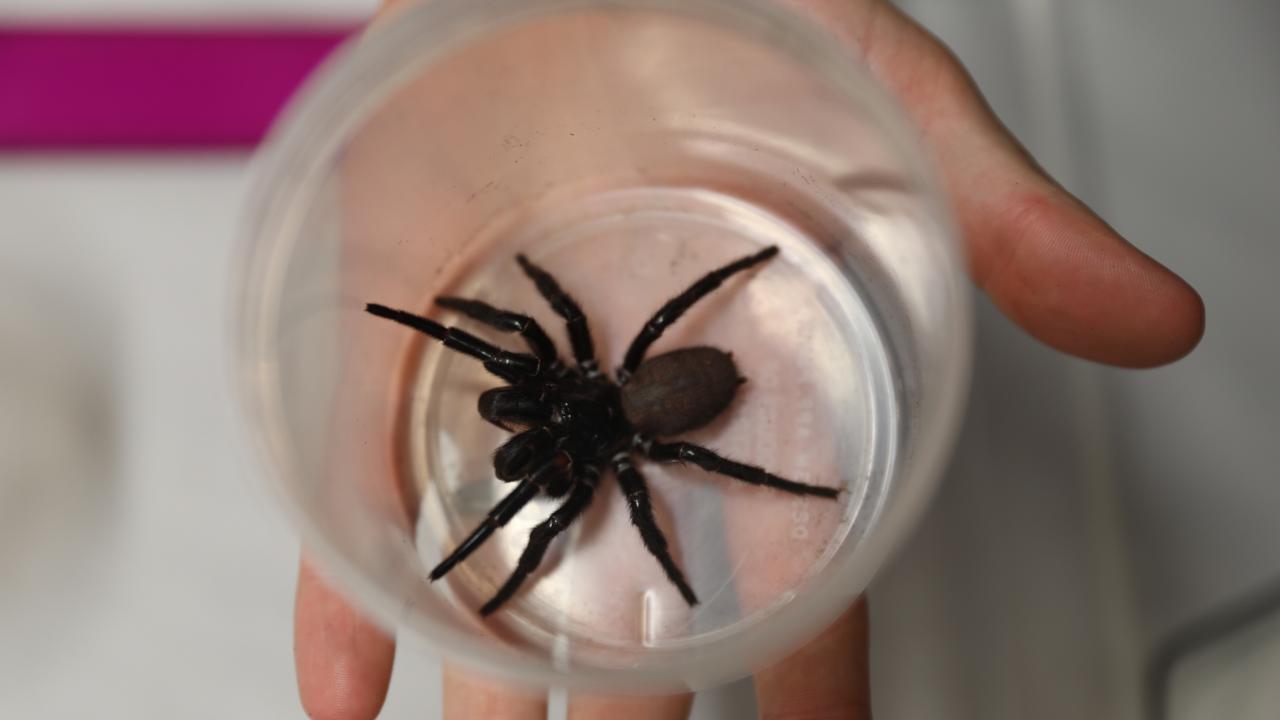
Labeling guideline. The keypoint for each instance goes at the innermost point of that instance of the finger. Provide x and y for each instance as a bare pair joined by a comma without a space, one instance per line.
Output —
1049,262
468,696
343,661
622,707
828,678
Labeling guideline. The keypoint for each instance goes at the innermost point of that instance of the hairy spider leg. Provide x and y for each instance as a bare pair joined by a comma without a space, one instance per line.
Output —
512,367
713,463
539,342
497,517
637,494
566,307
676,306
539,539
555,473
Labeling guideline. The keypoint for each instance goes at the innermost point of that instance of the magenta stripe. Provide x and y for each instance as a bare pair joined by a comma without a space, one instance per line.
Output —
66,88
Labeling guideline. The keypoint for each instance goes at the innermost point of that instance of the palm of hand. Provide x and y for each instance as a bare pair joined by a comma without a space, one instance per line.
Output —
1044,258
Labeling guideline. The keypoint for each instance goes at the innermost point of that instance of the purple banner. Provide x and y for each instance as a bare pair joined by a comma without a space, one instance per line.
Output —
150,88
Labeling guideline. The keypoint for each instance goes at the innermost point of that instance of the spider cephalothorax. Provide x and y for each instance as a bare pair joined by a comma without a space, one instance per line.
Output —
573,423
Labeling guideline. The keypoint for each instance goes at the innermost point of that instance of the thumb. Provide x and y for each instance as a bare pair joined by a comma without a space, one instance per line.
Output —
1047,261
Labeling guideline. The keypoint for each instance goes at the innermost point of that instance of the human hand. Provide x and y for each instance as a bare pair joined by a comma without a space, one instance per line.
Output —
1045,259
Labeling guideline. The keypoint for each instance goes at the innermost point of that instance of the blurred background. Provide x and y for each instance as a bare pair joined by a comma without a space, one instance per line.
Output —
1106,544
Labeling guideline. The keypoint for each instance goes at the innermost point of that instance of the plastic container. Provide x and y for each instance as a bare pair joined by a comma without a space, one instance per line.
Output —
629,146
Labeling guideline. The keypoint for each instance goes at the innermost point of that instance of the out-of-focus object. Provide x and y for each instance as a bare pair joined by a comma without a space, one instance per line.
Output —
56,459
150,87
1222,665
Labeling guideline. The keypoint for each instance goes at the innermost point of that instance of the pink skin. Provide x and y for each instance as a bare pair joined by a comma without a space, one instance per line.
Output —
1046,260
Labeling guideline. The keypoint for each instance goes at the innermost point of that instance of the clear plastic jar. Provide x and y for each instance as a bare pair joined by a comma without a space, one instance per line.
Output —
629,146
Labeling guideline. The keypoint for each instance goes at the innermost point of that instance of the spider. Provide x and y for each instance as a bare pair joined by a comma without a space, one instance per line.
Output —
571,423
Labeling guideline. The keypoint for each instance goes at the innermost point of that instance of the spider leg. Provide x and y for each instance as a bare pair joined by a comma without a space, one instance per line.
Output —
539,343
500,515
539,539
566,307
512,367
637,494
676,306
711,462
555,472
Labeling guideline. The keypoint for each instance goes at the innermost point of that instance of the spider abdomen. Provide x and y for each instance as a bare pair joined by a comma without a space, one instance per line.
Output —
679,391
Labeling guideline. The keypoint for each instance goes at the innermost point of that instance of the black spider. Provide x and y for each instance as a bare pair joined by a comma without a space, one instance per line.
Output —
573,422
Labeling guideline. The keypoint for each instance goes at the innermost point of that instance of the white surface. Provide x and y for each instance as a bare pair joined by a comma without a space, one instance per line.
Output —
1232,678
188,613
196,572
